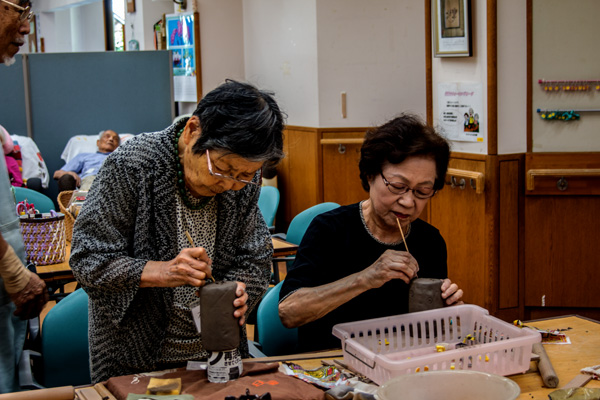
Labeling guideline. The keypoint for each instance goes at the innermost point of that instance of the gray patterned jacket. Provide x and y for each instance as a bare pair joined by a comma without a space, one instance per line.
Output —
128,219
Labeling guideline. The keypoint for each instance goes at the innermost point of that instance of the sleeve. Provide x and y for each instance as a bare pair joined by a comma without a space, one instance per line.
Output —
309,267
101,256
76,164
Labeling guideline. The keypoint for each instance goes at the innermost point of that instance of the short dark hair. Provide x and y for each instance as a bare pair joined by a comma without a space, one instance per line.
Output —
403,137
243,120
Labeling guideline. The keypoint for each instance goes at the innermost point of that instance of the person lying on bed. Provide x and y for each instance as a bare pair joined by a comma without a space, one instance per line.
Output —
82,169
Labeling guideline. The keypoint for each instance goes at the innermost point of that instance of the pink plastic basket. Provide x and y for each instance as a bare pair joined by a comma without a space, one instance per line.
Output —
383,348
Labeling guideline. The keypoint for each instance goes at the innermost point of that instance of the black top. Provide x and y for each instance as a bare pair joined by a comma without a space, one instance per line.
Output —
338,244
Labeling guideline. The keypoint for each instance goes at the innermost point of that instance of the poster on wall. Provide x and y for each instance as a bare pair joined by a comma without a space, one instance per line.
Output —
182,43
461,110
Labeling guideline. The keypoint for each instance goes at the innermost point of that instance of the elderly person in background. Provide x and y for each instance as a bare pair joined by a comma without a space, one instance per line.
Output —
131,253
22,293
352,263
82,169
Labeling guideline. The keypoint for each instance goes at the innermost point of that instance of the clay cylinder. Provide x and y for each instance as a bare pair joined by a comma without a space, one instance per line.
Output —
220,330
425,294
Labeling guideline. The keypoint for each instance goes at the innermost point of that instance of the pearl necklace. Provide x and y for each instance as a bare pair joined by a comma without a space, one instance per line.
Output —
183,192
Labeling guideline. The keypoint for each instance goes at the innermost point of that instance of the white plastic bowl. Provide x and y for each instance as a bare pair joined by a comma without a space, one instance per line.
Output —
449,385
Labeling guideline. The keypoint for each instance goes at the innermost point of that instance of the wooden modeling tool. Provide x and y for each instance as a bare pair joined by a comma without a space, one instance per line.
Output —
189,238
402,233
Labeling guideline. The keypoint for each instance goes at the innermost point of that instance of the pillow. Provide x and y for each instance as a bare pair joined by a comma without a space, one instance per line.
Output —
85,144
7,142
33,165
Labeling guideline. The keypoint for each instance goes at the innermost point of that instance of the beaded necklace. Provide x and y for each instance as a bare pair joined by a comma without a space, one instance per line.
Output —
183,192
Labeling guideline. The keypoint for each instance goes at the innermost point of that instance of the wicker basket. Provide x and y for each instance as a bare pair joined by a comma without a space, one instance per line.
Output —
63,202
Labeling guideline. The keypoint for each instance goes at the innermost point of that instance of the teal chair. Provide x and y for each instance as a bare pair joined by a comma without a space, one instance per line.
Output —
300,222
296,231
41,202
273,338
63,358
268,202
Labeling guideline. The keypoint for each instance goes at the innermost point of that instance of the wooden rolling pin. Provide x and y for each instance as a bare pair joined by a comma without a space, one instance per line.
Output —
59,393
545,366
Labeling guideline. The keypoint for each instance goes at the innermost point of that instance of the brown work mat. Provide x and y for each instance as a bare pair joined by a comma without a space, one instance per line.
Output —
259,378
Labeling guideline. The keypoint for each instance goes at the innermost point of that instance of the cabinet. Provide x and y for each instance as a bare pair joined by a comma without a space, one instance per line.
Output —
562,211
321,164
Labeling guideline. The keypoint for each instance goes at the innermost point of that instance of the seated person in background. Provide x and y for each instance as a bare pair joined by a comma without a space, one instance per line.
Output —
352,263
82,169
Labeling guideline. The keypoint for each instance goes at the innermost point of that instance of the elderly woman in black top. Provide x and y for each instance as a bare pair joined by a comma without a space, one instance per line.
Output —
352,263
196,182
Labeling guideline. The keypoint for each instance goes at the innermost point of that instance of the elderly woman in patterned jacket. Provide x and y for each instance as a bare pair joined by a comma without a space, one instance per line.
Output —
196,182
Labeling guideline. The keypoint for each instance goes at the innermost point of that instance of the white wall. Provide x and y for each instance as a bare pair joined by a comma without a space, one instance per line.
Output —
375,52
280,42
311,51
512,76
68,26
87,24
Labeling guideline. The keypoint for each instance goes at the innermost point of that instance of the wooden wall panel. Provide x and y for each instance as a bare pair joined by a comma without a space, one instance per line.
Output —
299,176
508,271
459,215
563,267
341,176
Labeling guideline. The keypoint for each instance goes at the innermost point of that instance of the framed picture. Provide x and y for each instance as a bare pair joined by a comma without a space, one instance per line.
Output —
451,22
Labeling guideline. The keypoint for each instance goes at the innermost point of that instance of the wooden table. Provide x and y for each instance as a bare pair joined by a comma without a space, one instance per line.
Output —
281,249
57,275
584,351
567,359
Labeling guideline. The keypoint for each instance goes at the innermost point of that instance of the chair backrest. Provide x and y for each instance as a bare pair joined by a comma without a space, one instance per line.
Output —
65,348
274,338
268,203
301,221
41,202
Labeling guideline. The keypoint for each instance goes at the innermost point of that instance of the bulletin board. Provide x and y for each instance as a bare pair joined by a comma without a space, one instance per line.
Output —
183,39
565,83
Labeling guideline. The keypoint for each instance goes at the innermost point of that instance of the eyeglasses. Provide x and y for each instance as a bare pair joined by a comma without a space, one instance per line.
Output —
423,192
245,182
24,12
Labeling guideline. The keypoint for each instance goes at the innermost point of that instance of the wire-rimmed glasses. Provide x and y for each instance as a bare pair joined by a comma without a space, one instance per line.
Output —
421,192
245,182
25,13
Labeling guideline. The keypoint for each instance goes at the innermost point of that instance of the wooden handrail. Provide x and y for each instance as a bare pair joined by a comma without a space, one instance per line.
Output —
477,178
342,141
558,173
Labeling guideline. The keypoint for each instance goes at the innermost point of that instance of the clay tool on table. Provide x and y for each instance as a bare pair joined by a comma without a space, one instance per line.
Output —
545,366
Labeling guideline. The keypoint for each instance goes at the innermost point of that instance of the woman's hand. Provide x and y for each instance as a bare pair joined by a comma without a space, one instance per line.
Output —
240,303
390,265
192,266
451,293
